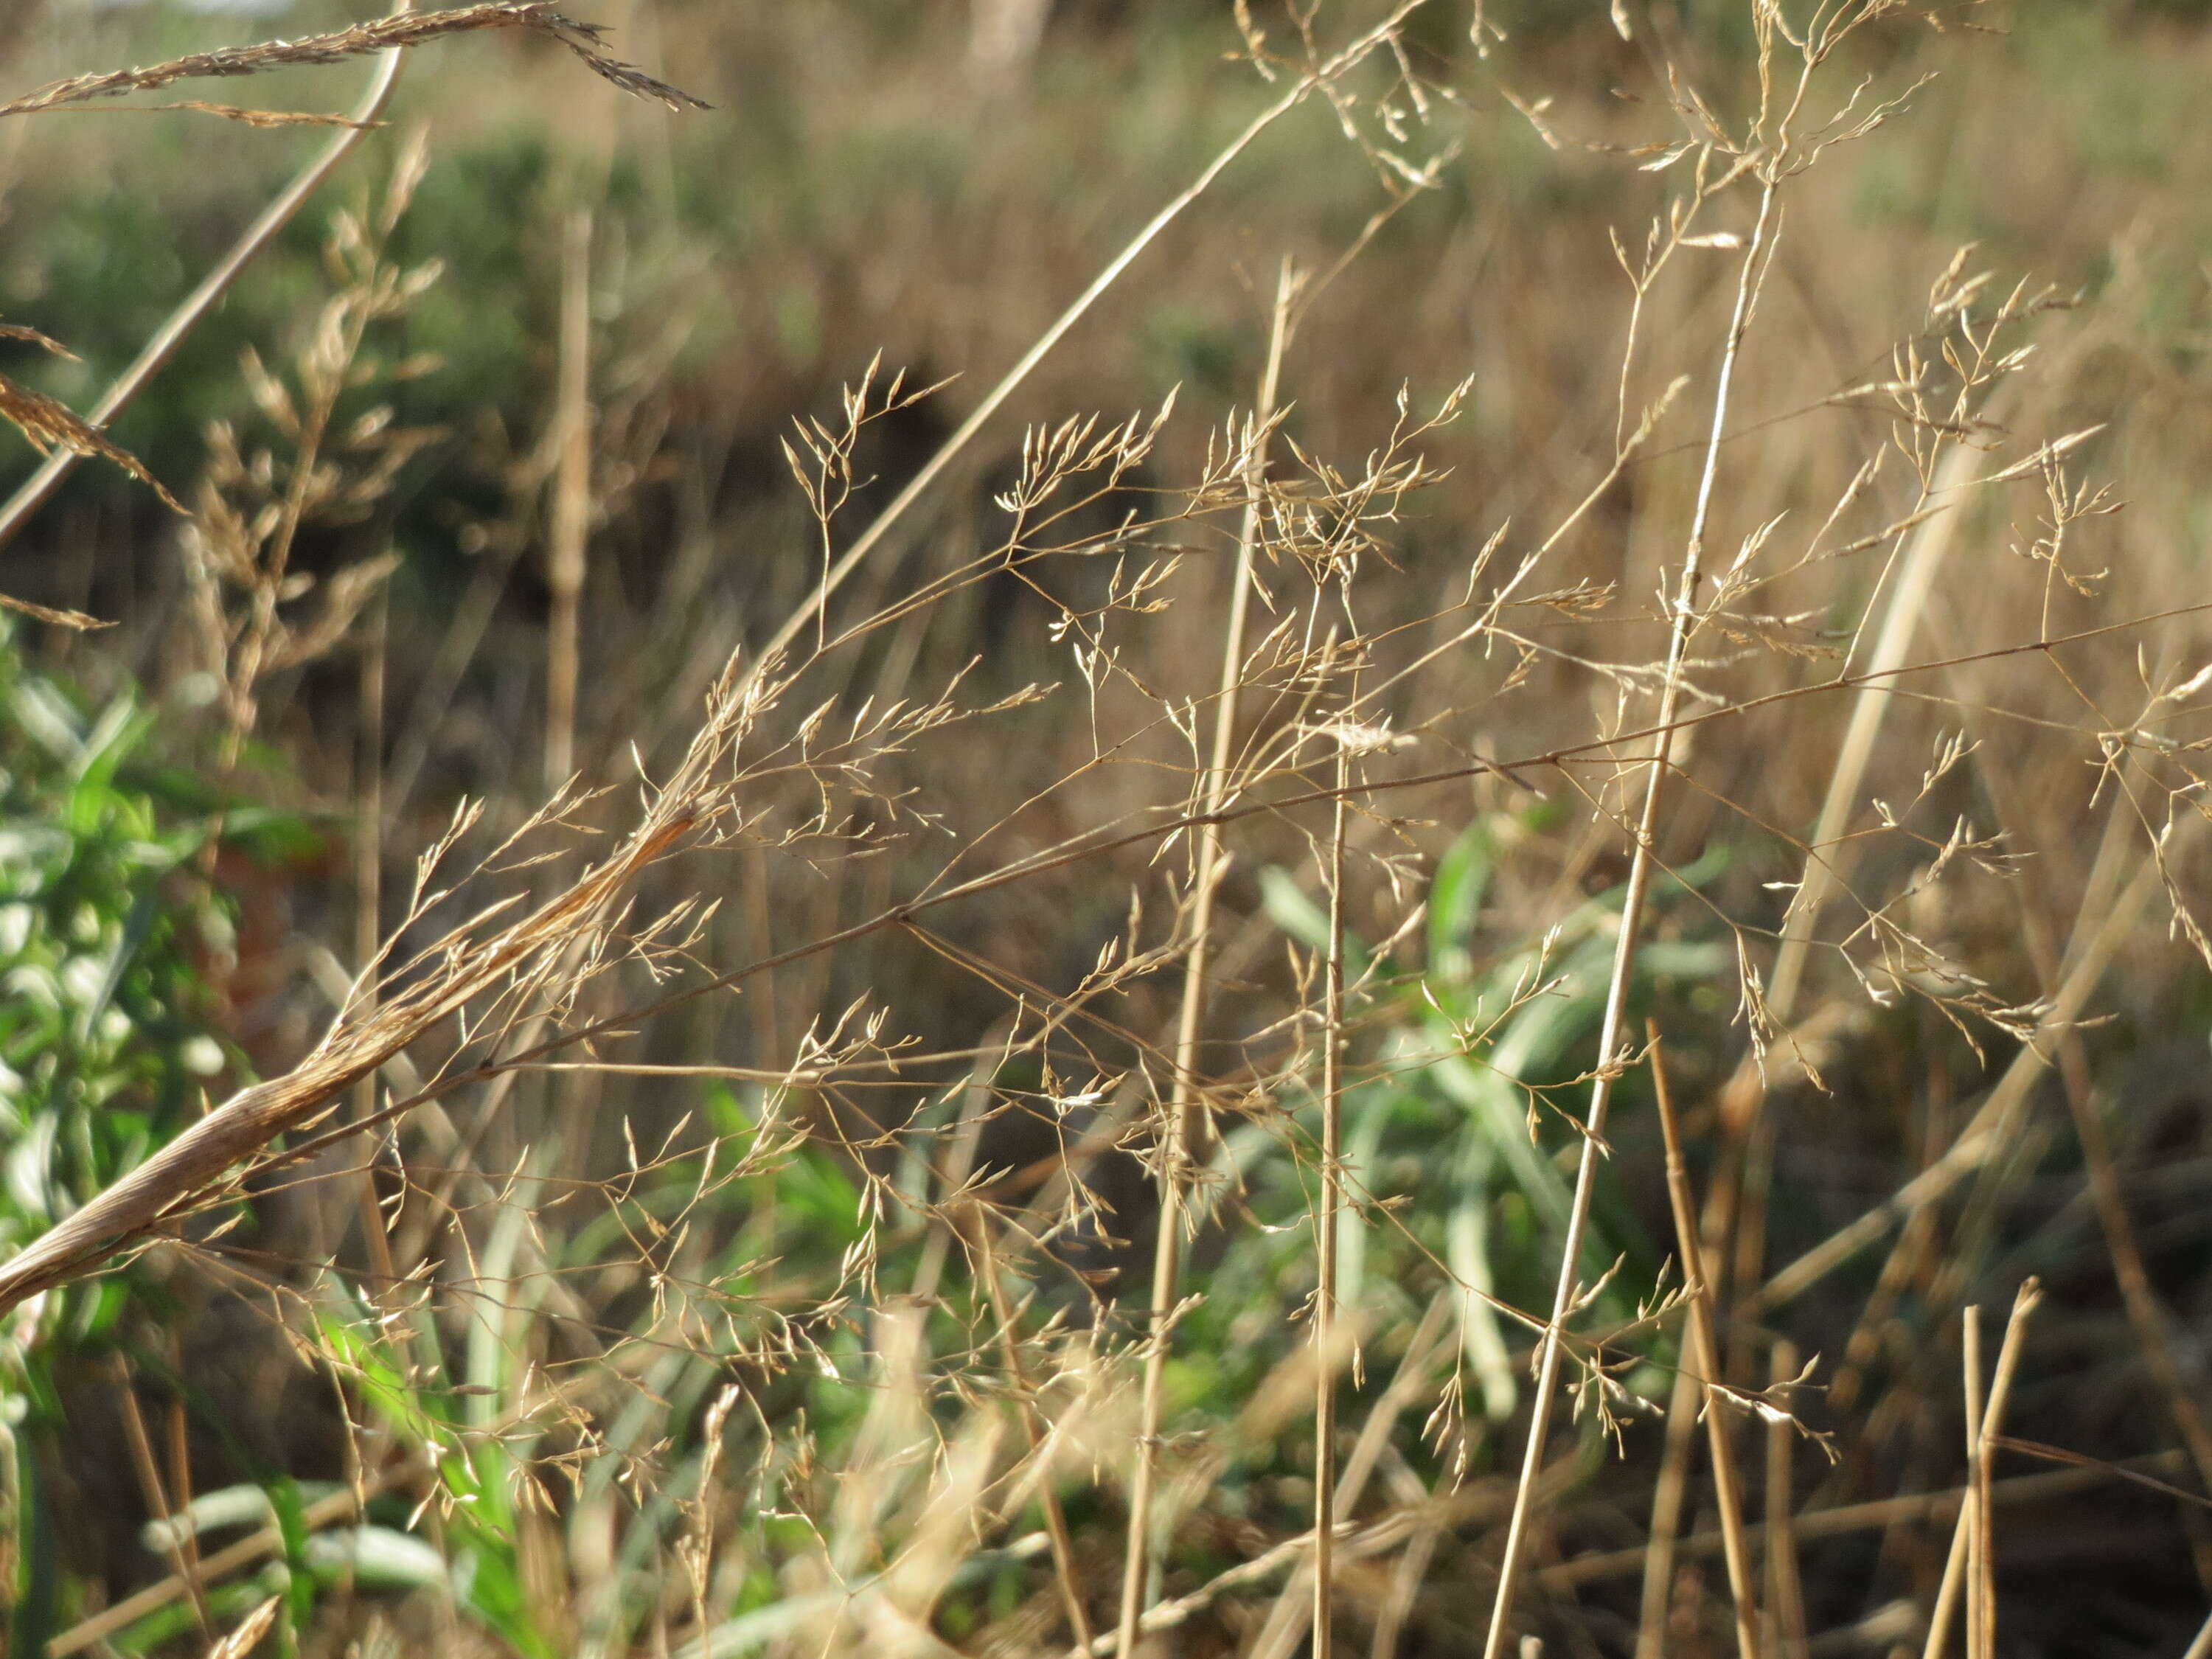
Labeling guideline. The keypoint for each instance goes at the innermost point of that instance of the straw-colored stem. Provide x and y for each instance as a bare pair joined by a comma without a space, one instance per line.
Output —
368,909
1331,1205
1967,1570
183,1556
572,498
1632,920
1869,1516
1974,1513
1184,1104
1667,1493
1706,1355
1786,1596
1055,1519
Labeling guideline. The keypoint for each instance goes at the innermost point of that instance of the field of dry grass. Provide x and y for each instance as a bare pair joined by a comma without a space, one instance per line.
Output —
1340,828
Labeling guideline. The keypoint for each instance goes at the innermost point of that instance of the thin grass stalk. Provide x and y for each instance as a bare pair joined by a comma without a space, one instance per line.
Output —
1785,1595
572,497
1332,1204
1833,852
34,491
368,909
1974,1516
183,1557
1667,1493
1672,1487
1745,1175
1966,1570
935,468
1706,1352
2029,1294
180,1461
1184,1104
1631,920
1055,1519
215,1567
1873,1516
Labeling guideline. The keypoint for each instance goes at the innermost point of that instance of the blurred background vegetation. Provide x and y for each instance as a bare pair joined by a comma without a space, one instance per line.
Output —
182,884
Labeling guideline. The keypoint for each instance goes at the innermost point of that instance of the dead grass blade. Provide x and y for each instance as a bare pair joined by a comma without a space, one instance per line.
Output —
470,963
251,1629
49,424
1184,1104
244,117
47,613
380,34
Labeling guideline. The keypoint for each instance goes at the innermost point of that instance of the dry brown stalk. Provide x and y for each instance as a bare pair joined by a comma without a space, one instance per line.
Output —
1967,1570
469,965
215,1567
572,498
1706,1355
1325,1231
1869,1516
369,900
1033,1425
1668,1493
1184,1105
1683,623
248,117
380,34
1786,1596
180,1541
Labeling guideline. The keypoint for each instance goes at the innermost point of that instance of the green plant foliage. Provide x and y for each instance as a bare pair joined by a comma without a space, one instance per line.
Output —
1464,1117
107,927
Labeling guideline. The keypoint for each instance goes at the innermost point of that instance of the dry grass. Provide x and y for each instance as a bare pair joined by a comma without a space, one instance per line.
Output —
713,1214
